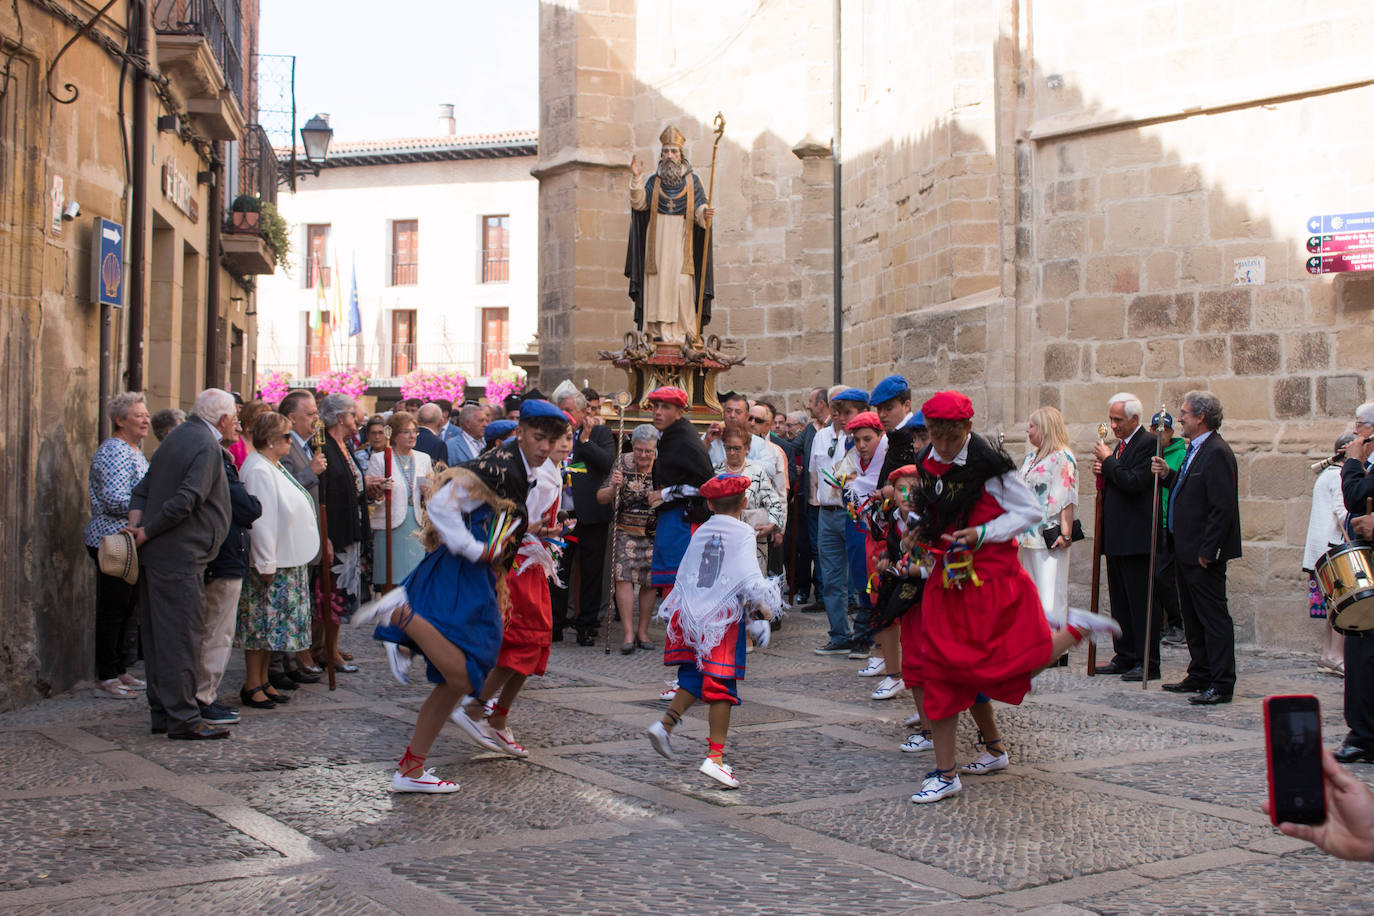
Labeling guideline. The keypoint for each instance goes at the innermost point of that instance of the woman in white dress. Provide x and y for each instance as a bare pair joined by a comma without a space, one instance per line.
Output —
1052,474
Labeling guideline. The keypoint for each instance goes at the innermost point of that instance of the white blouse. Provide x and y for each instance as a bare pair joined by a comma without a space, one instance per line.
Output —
423,469
1324,525
287,533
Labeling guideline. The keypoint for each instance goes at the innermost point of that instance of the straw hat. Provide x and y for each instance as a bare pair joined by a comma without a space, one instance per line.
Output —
118,557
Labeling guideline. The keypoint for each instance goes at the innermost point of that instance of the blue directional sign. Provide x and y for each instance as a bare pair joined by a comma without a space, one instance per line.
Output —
107,263
1341,222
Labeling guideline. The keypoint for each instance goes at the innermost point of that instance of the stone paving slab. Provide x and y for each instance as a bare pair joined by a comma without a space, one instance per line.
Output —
1237,780
776,767
743,715
705,869
544,724
324,894
352,809
51,841
1017,831
273,740
32,761
1304,882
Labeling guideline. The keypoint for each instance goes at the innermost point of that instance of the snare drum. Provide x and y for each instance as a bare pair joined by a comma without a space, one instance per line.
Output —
1345,574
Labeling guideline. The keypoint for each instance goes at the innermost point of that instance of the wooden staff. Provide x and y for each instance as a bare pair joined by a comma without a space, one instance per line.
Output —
719,124
1154,541
331,629
386,502
622,400
1097,556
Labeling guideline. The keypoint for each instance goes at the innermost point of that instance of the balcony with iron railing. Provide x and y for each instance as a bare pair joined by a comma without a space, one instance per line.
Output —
200,48
389,363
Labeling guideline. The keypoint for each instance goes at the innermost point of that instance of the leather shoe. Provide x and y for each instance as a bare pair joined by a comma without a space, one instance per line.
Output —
1137,673
282,682
1210,697
157,730
1187,685
204,733
1353,753
301,676
586,639
1112,668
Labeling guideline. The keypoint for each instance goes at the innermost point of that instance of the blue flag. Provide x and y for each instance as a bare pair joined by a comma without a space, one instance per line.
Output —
355,317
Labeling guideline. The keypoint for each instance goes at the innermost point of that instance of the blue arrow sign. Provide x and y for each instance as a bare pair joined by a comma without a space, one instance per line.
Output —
1341,222
107,263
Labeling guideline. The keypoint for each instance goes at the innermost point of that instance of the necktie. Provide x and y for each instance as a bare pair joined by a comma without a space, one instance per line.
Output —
1121,447
1183,469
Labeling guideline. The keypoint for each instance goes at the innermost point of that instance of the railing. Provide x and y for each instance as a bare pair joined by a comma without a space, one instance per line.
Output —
257,164
219,22
386,361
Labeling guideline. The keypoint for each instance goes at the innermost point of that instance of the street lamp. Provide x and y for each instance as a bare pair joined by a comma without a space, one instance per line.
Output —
316,135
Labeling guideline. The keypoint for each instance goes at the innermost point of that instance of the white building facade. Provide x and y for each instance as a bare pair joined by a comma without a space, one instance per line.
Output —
441,235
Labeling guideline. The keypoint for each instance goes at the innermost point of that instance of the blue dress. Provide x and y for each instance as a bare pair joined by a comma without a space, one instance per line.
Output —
457,598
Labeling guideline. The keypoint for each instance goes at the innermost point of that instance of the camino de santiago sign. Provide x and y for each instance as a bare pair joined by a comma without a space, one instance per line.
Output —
107,263
1340,243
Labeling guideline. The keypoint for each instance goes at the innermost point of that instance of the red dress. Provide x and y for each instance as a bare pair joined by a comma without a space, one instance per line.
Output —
528,634
988,637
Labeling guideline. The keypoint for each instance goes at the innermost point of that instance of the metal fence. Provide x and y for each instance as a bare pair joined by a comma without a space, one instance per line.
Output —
219,22
258,164
388,363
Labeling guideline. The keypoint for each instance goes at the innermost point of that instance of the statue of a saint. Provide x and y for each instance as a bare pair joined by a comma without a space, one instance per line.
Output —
669,245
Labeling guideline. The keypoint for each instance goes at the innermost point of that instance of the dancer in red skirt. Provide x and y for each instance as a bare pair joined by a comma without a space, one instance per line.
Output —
983,628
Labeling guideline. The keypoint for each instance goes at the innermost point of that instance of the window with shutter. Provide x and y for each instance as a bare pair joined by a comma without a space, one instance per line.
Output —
405,252
496,249
317,254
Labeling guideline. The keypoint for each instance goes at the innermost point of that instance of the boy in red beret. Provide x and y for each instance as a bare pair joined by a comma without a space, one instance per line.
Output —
983,628
718,589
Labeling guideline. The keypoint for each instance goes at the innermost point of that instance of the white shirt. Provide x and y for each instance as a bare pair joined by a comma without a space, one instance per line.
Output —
422,469
824,459
287,533
1020,508
1324,525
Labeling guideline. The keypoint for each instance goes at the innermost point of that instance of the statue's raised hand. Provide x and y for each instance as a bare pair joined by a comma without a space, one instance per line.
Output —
636,167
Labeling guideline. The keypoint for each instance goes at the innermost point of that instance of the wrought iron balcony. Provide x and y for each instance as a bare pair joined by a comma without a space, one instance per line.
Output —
191,33
257,164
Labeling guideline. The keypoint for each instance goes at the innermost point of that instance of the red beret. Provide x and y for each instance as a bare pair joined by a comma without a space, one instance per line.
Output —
866,420
906,470
723,485
948,405
668,395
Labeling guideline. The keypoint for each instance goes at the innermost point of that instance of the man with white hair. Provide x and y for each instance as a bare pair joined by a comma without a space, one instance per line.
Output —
429,439
1127,491
594,448
179,516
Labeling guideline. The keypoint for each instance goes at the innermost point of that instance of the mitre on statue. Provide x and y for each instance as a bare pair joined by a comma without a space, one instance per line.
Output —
671,136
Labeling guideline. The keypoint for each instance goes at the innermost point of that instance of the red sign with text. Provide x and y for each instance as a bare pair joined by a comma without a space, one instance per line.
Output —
1344,262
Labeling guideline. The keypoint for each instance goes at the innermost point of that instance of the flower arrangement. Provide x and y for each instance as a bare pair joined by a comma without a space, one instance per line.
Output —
273,386
502,383
351,382
431,384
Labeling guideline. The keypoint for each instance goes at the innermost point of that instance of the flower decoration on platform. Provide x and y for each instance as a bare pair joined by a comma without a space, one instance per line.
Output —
350,382
502,383
432,385
274,386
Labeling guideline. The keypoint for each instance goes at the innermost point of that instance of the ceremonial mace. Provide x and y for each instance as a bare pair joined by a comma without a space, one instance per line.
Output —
386,502
1154,542
331,629
719,123
1097,556
622,401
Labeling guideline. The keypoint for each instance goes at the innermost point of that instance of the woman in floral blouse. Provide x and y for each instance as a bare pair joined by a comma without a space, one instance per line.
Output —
633,550
116,466
1052,474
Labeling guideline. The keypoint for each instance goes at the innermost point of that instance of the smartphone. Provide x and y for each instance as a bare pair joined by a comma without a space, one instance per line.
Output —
1293,747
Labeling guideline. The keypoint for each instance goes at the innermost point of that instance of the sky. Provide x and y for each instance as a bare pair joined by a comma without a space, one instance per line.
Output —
381,70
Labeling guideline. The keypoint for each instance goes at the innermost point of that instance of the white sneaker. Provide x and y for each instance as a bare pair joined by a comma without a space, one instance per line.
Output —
915,744
505,741
472,730
661,739
400,664
425,782
936,787
113,690
720,772
986,763
668,694
1080,619
875,667
889,688
912,720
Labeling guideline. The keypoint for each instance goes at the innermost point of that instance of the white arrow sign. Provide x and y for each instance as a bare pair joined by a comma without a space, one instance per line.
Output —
111,233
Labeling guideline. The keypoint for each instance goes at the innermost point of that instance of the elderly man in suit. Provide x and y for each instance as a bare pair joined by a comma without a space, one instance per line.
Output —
179,516
1127,492
300,408
467,444
428,438
1204,528
594,448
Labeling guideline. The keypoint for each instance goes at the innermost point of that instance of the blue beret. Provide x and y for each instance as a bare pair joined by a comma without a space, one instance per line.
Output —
889,388
534,407
852,394
917,419
499,429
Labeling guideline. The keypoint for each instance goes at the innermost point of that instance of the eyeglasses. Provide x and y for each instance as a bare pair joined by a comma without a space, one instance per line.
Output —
758,419
831,453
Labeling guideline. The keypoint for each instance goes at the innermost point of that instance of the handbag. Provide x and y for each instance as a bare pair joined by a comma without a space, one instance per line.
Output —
1052,533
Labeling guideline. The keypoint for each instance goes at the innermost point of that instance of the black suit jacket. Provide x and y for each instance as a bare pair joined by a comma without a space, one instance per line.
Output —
185,500
432,445
1205,504
1357,486
597,454
1126,508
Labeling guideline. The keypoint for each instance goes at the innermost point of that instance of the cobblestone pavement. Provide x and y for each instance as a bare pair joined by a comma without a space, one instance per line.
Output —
1118,800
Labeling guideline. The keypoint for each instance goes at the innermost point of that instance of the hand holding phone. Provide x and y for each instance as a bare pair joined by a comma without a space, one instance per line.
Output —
1293,744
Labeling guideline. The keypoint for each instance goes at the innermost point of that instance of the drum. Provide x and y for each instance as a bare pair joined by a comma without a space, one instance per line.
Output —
1345,574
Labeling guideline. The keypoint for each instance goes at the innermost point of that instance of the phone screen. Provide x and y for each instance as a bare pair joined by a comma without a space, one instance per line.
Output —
1295,767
